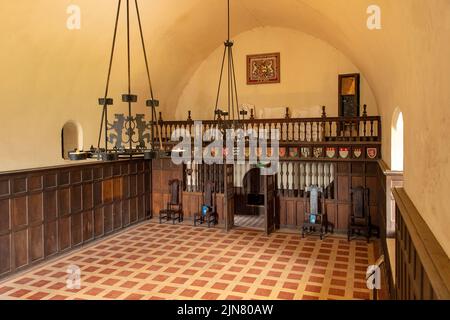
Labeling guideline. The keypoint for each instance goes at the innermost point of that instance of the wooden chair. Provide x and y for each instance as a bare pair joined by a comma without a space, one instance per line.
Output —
174,209
209,200
316,218
359,221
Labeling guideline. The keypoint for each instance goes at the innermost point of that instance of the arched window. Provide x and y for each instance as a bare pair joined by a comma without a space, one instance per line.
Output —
71,138
397,141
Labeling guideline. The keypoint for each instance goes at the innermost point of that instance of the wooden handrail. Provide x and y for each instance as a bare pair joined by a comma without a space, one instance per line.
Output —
435,261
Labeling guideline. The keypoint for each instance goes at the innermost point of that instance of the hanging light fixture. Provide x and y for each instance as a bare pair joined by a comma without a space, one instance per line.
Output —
128,131
230,117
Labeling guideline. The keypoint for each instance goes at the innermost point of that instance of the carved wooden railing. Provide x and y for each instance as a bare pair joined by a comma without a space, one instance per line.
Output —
293,131
421,264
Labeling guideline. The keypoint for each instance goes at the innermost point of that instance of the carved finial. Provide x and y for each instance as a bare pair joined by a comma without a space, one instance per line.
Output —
252,116
324,112
365,110
189,115
287,115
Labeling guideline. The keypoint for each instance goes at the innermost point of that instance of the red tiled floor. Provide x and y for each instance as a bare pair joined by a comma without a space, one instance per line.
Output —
203,264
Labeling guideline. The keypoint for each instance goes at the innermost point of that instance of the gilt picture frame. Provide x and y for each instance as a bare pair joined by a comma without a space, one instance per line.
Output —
263,68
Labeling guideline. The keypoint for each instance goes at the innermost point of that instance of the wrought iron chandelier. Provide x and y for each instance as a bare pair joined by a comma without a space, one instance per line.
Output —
129,132
229,118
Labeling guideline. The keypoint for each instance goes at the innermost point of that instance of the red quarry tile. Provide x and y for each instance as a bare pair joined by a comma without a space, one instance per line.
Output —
148,287
199,283
168,290
188,293
210,296
142,276
108,271
286,295
92,279
94,291
295,276
135,296
208,274
58,297
113,294
274,274
311,288
42,272
233,297
269,282
290,285
361,295
5,289
309,297
38,296
336,292
161,278
337,273
316,279
248,279
220,286
338,282
235,269
190,272
263,292
240,288
129,284
19,293
110,282
24,280
180,280
124,273
228,277
360,285
57,286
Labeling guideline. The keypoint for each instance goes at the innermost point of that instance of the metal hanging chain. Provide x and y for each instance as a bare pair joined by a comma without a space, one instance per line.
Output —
232,92
148,77
104,113
129,75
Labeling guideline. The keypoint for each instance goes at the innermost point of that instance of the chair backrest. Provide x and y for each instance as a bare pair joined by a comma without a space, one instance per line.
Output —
208,194
174,189
360,203
314,193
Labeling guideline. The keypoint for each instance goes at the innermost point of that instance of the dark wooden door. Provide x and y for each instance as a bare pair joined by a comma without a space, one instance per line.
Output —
229,196
269,202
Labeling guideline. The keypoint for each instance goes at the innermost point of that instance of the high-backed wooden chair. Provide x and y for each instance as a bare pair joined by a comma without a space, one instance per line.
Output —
316,217
209,215
174,208
360,221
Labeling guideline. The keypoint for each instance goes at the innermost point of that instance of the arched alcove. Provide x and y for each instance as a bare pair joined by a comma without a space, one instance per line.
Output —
397,141
71,138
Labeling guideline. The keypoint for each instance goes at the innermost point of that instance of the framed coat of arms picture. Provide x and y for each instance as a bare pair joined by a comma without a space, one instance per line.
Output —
263,68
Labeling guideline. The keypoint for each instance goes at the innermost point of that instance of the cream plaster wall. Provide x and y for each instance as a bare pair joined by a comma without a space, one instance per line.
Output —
51,75
309,77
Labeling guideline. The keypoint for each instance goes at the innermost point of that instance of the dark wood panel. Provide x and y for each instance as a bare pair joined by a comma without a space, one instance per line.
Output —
19,212
20,243
51,238
36,243
5,215
35,208
50,205
88,226
64,233
5,254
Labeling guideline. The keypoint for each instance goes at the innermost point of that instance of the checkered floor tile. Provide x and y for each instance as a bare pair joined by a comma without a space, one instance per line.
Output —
153,261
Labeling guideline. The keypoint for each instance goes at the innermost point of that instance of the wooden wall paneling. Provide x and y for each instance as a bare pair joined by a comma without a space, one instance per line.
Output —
47,212
291,216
